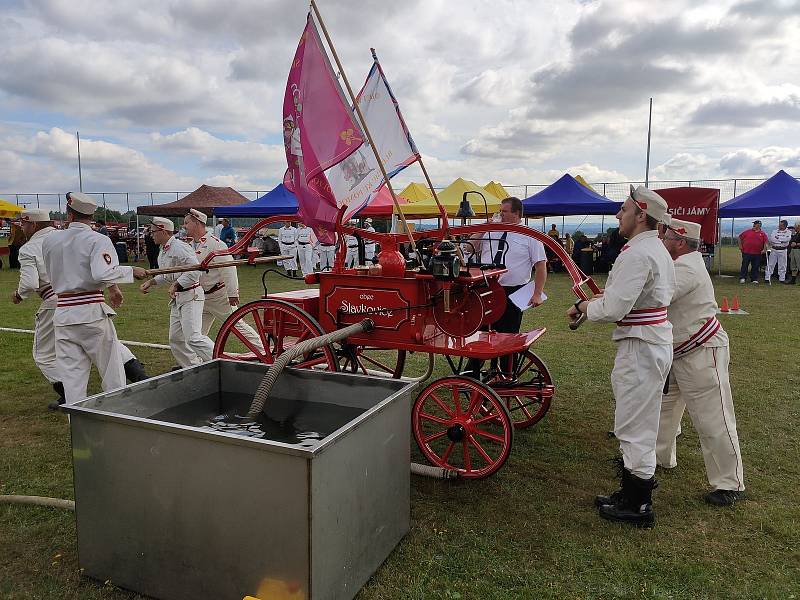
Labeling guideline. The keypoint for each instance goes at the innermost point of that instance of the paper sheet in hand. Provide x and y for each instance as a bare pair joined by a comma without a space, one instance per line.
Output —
522,296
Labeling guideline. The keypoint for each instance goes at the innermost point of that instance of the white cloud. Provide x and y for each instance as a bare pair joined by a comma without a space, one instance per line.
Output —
172,93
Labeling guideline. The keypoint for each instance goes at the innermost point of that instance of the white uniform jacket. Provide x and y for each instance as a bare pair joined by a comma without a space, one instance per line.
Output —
215,278
287,235
72,274
780,239
693,309
176,253
642,278
33,277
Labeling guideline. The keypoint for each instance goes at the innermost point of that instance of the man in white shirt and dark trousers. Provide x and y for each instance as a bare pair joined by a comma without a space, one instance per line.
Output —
637,294
521,255
699,378
779,249
81,264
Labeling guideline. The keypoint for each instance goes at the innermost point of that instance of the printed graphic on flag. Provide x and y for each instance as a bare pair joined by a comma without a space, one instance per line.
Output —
356,180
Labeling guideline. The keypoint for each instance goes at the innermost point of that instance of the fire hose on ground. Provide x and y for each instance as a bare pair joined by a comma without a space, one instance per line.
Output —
265,387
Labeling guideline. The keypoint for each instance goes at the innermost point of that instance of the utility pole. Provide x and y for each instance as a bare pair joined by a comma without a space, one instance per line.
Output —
80,175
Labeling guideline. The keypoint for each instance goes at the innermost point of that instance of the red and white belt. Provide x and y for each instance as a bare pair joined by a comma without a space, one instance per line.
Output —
215,288
191,287
80,298
46,292
705,333
644,316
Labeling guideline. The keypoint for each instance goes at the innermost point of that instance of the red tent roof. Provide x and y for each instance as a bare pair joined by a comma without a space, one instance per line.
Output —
382,205
205,199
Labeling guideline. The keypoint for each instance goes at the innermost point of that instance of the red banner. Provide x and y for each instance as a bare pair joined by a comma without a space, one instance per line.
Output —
697,205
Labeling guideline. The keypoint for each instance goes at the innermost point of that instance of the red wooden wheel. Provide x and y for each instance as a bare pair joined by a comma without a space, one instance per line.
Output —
279,326
362,359
459,423
528,395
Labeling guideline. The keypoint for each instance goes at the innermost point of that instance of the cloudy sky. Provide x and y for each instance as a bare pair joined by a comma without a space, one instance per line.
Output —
169,94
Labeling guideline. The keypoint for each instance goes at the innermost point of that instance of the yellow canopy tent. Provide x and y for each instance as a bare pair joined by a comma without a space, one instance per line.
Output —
583,182
496,190
450,198
414,192
8,210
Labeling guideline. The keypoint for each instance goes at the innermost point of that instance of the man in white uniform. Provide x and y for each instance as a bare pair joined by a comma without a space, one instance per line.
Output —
220,286
81,263
188,344
33,278
287,239
638,291
699,376
351,241
369,245
305,248
779,249
327,256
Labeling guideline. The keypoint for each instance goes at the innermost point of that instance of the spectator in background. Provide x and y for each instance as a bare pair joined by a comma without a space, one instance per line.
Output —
101,227
218,229
752,243
794,249
553,233
151,248
227,235
569,244
15,241
779,244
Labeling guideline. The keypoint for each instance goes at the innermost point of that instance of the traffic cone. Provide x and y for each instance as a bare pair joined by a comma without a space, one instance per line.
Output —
724,308
735,304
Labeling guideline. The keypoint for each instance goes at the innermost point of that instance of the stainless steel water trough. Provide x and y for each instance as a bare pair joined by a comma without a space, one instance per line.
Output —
178,512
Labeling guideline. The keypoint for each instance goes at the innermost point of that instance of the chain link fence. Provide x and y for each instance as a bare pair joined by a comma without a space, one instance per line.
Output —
128,201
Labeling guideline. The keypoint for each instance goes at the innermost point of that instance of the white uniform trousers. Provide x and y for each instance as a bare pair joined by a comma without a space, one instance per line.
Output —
290,264
44,345
351,259
327,255
305,253
637,380
369,252
81,345
699,381
186,340
776,257
217,306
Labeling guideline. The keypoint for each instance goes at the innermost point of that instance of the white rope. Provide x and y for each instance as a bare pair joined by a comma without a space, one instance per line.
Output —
126,342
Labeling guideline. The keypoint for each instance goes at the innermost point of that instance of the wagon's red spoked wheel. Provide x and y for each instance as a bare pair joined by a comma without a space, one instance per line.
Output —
461,424
529,394
262,330
362,359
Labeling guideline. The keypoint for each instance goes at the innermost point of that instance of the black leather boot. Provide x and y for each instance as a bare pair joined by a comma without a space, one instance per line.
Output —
635,506
614,497
58,388
134,370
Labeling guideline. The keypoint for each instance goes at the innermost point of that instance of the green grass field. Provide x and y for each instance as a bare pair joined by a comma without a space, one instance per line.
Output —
530,531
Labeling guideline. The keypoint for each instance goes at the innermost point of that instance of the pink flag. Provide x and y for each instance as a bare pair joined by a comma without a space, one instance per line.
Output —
318,131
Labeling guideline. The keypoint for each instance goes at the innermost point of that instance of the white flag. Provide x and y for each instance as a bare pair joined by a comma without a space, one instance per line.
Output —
356,180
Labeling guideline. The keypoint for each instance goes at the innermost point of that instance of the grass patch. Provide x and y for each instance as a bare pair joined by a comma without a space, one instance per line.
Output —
530,531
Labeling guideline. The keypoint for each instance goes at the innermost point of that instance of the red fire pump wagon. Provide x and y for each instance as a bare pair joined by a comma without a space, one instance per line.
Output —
444,306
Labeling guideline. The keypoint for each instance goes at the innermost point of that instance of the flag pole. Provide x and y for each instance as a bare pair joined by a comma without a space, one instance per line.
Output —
442,211
366,130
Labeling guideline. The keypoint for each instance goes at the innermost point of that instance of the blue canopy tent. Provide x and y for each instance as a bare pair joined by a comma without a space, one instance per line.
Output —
778,196
278,201
568,197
